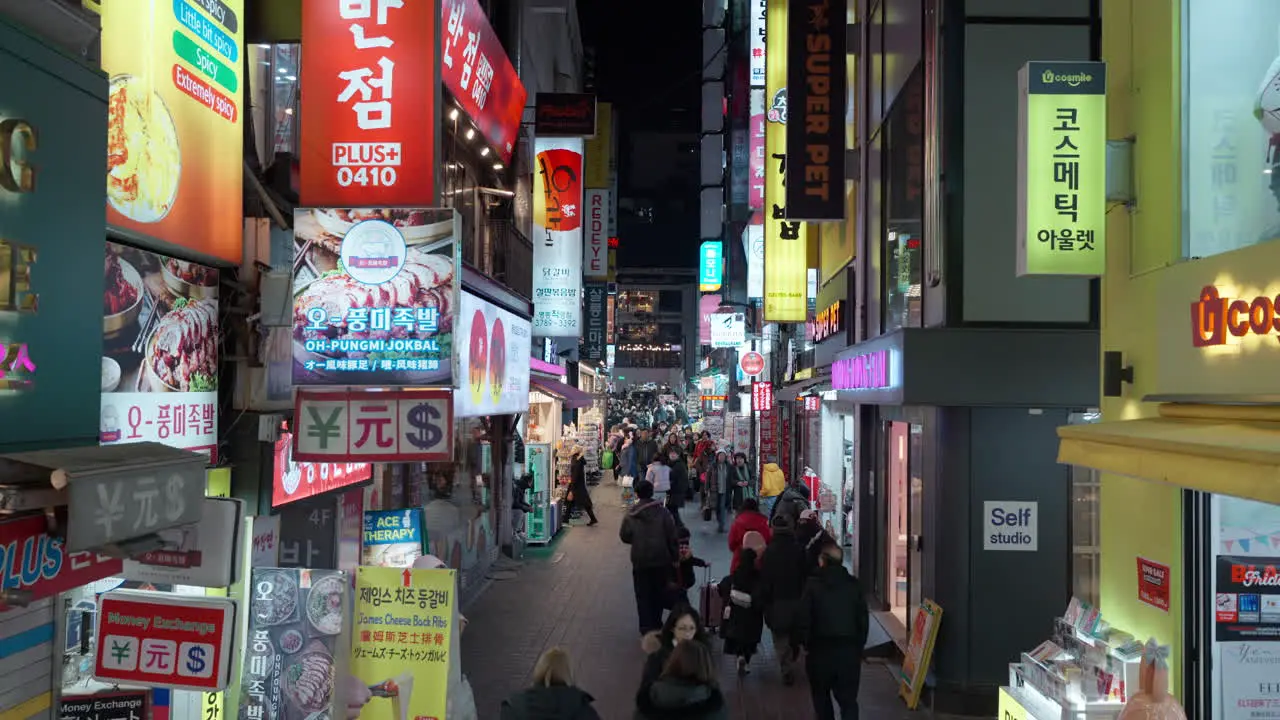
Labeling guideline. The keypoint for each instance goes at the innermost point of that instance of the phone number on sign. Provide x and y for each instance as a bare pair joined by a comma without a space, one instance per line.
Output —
366,164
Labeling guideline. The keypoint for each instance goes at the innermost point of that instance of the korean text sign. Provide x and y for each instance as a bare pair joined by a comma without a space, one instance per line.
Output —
476,70
404,640
756,135
1062,168
375,296
786,246
292,481
816,79
354,426
32,561
710,265
161,640
593,341
160,347
557,237
493,358
369,115
174,135
759,12
50,202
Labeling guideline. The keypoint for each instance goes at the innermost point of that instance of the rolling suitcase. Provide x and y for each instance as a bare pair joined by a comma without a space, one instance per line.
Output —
710,603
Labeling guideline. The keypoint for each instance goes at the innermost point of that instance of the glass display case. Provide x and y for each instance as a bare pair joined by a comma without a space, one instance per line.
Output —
542,524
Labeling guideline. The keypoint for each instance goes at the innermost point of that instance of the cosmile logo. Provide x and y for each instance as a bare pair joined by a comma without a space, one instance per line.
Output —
1213,317
1049,77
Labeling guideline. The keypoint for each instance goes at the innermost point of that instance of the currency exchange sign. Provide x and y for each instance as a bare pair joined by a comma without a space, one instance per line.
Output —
370,426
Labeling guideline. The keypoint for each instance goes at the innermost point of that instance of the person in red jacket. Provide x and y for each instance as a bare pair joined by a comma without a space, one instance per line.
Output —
749,518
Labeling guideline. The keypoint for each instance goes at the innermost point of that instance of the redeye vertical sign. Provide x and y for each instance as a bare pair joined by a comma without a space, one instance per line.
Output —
785,240
1062,168
816,81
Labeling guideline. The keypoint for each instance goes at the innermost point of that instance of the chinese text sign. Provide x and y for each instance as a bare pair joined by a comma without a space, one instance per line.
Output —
1062,168
557,237
785,241
401,426
369,114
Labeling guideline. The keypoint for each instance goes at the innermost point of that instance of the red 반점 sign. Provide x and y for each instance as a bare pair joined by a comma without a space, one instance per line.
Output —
368,103
476,70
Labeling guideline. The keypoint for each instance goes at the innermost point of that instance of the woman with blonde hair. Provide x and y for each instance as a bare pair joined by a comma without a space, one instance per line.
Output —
552,696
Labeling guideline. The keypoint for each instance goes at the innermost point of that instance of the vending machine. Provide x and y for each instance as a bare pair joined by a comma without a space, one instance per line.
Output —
541,524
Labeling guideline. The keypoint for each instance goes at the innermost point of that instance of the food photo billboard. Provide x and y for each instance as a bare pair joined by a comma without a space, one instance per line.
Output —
159,351
493,351
375,296
175,164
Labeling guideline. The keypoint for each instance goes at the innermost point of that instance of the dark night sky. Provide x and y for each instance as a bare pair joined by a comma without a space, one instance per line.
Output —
648,64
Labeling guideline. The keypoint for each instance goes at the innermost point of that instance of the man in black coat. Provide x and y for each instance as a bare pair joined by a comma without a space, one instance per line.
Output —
655,553
793,501
783,572
833,622
580,496
646,448
679,484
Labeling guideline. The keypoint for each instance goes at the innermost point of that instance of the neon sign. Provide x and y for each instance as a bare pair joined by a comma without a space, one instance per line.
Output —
1214,317
867,371
18,176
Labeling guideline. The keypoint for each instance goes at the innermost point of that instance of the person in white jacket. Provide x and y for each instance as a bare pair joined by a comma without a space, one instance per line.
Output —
659,473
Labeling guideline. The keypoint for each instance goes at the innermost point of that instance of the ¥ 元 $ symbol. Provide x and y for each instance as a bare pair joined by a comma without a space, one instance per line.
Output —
428,434
120,651
324,430
195,660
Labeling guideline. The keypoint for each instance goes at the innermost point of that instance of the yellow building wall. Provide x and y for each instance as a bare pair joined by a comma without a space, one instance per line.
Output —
1142,49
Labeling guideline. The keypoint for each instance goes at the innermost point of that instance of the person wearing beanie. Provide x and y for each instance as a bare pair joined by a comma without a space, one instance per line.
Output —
655,554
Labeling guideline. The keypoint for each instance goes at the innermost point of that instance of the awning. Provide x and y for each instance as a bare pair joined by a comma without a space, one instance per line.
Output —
572,396
793,391
1232,450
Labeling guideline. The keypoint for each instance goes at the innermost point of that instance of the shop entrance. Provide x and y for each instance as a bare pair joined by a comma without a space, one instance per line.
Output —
904,488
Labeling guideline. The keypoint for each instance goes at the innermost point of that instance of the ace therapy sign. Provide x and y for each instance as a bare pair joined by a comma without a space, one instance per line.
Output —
373,426
160,640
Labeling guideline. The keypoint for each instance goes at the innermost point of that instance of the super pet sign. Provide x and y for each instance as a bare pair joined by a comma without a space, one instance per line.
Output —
18,139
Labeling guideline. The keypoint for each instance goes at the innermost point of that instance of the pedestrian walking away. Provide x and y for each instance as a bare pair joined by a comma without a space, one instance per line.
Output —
679,491
655,555
579,494
687,688
553,696
749,519
743,627
782,581
772,483
832,623
659,474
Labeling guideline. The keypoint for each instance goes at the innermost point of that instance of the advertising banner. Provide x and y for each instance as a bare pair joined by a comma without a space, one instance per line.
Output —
493,359
593,339
817,81
292,481
742,434
405,642
477,72
25,540
710,265
1247,604
753,246
48,342
756,135
759,21
155,639
393,538
707,307
595,255
1153,584
175,166
289,667
369,114
728,330
130,705
160,351
762,396
786,247
557,237
599,154
1062,168
398,426
565,115
375,294
1248,671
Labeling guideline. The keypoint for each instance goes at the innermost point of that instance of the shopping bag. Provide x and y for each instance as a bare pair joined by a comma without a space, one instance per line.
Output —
626,481
606,460
710,601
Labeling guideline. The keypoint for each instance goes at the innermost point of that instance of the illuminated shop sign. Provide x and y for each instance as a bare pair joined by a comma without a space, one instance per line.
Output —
1213,317
829,321
762,396
867,371
17,176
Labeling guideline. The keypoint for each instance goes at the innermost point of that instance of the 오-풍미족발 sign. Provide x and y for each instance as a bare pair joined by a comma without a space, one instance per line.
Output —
364,426
1062,168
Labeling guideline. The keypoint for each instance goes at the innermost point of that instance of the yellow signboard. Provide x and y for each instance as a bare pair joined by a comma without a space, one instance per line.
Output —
1062,168
1011,709
404,640
599,149
915,661
786,257
835,240
217,484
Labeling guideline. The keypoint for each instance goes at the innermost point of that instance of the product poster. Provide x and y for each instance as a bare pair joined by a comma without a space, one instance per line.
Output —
1153,583
393,538
492,352
159,351
915,664
174,136
786,244
1249,672
295,622
557,237
404,641
1247,599
375,292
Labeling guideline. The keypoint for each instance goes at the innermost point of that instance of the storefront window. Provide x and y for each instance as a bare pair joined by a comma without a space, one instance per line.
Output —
1246,623
903,203
1231,111
1086,525
899,480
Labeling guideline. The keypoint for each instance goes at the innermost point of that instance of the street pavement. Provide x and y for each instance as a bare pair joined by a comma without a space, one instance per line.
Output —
577,594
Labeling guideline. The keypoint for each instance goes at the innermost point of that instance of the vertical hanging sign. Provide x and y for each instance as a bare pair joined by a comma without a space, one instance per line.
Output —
816,81
785,241
557,237
1062,168
759,10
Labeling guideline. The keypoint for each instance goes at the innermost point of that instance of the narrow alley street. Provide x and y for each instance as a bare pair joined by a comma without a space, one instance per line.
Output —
577,594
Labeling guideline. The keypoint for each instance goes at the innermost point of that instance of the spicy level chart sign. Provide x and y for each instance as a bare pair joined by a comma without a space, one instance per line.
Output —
374,426
159,640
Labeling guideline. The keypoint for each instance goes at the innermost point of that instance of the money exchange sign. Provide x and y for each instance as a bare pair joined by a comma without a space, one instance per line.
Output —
162,640
372,426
